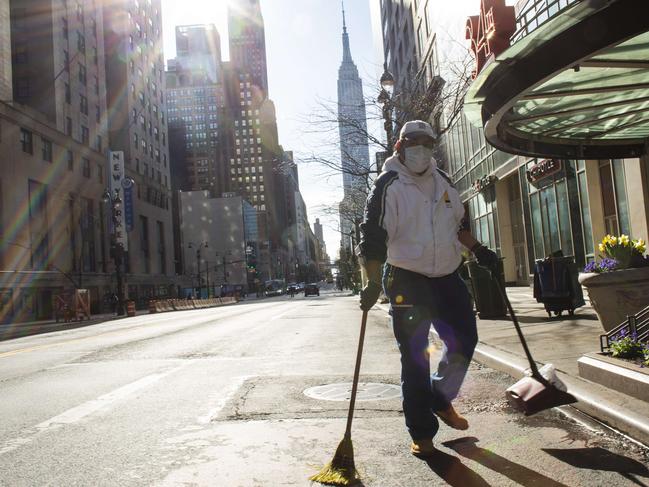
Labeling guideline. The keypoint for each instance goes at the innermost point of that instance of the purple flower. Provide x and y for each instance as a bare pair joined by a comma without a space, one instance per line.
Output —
607,264
591,267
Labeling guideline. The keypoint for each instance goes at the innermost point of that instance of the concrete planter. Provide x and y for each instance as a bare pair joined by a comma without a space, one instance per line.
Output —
615,295
619,375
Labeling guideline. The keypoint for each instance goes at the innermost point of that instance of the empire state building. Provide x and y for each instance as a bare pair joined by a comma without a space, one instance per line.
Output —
354,150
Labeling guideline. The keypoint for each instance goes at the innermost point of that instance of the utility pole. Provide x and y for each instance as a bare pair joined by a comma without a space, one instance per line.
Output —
207,274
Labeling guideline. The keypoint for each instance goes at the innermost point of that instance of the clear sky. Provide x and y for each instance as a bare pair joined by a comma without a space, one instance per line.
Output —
304,51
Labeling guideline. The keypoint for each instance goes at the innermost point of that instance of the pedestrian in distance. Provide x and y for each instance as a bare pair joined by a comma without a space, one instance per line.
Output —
113,302
414,222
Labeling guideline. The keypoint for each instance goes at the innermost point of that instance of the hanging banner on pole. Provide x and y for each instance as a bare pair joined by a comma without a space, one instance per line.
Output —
116,177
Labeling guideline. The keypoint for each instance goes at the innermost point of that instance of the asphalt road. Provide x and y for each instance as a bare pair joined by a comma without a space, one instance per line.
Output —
214,397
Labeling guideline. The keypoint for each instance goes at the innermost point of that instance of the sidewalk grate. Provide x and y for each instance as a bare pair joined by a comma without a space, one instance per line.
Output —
367,391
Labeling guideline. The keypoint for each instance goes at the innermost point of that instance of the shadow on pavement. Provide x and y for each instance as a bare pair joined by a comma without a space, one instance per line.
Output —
518,473
453,471
597,458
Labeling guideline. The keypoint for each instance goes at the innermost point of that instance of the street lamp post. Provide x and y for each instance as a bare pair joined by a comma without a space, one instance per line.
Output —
116,247
385,99
198,264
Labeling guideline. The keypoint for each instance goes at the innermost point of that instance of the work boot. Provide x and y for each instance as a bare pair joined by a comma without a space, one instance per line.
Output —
452,418
423,447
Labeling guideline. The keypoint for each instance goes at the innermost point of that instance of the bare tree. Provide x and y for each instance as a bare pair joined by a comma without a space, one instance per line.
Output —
435,100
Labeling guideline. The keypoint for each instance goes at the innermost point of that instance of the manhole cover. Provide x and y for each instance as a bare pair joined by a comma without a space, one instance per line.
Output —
367,391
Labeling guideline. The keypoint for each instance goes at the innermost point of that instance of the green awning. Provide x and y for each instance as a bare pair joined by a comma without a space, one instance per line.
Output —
577,87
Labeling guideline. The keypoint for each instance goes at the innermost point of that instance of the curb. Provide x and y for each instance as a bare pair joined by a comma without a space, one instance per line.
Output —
592,399
610,407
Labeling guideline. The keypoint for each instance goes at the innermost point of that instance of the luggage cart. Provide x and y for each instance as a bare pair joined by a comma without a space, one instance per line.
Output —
556,285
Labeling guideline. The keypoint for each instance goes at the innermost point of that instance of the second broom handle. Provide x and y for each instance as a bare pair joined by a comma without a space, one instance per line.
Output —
357,370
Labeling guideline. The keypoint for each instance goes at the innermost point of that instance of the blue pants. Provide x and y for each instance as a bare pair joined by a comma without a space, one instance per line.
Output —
416,302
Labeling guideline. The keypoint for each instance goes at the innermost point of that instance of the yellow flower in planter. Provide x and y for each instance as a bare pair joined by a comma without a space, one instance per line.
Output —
623,249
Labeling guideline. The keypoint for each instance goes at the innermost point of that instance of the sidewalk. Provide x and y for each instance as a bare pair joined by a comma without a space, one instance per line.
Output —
560,341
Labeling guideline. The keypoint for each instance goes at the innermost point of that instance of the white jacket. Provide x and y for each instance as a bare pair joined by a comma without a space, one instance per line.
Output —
412,221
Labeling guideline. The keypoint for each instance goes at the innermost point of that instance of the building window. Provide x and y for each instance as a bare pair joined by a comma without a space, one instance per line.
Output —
83,104
81,42
26,141
70,159
100,173
47,150
38,224
97,113
144,242
65,28
85,167
68,126
85,135
66,60
83,78
98,143
88,235
68,94
614,197
161,248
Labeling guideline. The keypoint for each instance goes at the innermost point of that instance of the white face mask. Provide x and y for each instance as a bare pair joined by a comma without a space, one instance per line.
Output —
417,158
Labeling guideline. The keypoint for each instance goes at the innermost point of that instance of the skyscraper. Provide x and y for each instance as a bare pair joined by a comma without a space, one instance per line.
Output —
195,105
354,150
137,126
251,138
198,52
248,41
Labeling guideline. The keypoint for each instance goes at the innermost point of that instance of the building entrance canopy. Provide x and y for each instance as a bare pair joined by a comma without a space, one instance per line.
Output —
577,87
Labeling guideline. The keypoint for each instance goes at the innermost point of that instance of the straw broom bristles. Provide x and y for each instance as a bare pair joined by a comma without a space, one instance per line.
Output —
341,470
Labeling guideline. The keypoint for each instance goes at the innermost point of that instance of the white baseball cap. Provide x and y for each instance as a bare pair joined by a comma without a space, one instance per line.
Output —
414,128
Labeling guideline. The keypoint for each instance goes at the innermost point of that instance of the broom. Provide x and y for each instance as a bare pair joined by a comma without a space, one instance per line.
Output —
535,393
341,470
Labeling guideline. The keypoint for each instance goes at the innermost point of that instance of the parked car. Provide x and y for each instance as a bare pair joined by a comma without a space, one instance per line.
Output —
311,289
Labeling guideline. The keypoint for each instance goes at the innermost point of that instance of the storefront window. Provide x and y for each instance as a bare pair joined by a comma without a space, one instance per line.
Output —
550,221
564,218
587,227
483,219
537,227
550,214
614,199
620,196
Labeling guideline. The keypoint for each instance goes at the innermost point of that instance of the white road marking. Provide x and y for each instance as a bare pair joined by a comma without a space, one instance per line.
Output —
85,409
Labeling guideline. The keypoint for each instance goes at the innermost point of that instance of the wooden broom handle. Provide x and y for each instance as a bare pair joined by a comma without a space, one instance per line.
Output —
535,371
357,369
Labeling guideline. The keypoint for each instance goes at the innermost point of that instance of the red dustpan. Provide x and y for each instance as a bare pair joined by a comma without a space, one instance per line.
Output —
532,393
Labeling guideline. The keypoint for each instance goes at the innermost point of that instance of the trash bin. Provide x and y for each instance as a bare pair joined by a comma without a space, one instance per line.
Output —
488,301
130,308
556,285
